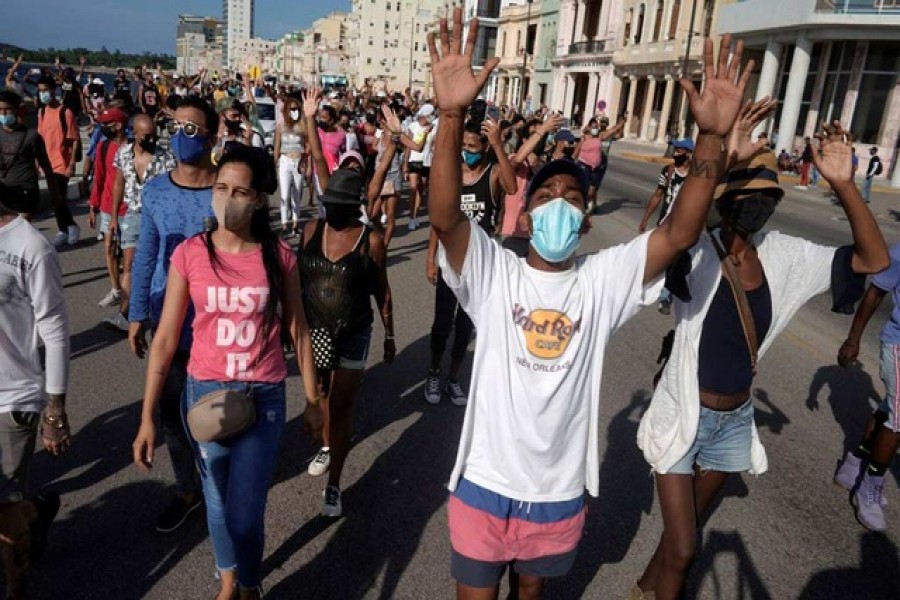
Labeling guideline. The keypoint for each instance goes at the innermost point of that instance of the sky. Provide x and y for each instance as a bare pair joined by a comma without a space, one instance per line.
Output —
139,25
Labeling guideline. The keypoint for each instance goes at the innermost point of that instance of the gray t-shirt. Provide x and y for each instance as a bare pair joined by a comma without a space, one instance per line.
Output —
19,149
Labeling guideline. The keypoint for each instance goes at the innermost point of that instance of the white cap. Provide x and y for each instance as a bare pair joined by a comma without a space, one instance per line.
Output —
426,110
380,94
97,81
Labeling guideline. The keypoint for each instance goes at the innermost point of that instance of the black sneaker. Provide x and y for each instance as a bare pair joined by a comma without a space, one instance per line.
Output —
177,513
47,506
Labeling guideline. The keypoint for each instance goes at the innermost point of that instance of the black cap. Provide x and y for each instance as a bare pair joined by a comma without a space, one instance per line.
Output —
345,186
560,166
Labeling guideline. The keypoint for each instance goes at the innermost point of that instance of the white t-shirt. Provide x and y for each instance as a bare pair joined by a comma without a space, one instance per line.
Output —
532,421
417,133
32,307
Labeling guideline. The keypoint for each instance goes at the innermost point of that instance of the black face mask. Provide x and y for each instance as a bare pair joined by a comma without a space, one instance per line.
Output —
341,216
750,214
233,127
370,118
680,160
325,125
148,144
568,151
108,131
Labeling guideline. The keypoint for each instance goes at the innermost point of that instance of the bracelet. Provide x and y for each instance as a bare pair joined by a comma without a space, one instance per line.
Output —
57,421
389,337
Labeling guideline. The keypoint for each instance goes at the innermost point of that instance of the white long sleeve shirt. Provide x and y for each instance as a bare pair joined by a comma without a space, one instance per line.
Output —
32,306
796,270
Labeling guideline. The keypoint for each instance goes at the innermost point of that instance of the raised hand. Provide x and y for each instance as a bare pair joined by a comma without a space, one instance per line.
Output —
390,118
835,161
740,145
716,107
310,99
456,85
551,124
491,130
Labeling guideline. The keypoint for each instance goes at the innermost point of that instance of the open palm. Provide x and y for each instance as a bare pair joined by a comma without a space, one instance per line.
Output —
716,107
740,142
456,85
835,162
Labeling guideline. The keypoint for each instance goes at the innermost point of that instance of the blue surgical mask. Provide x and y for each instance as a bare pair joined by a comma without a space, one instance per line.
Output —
45,97
188,150
7,120
471,158
555,229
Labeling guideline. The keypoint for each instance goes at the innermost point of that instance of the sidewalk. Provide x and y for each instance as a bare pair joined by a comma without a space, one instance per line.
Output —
652,152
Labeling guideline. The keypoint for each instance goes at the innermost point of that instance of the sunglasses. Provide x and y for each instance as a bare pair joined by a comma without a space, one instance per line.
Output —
190,128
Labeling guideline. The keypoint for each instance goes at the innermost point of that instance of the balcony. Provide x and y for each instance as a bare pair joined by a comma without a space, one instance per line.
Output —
588,47
859,7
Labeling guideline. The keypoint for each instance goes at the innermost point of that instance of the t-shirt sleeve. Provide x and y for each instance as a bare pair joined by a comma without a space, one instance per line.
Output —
287,257
179,260
485,263
888,279
663,180
618,276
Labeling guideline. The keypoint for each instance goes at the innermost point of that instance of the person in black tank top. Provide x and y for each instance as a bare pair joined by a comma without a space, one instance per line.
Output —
486,175
342,265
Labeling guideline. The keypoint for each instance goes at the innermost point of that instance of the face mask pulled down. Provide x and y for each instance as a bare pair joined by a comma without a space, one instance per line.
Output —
555,230
232,214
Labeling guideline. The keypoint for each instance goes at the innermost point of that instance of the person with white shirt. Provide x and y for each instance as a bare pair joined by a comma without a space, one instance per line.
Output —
32,399
418,162
530,439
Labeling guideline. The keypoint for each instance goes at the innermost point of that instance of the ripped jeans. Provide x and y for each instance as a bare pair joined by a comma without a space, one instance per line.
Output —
236,475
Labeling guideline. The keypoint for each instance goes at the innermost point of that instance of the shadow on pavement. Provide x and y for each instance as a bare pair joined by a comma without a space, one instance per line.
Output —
92,340
613,519
774,419
387,509
611,205
749,584
119,556
876,578
851,396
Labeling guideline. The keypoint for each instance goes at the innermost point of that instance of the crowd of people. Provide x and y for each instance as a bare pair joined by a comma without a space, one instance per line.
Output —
181,171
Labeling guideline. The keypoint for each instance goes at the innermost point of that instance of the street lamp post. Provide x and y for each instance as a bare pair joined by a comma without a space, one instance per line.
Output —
687,50
524,60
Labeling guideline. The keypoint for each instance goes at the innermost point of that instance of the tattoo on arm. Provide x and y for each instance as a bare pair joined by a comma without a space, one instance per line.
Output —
706,168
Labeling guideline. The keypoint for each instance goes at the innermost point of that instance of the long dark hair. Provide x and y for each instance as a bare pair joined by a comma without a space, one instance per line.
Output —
262,181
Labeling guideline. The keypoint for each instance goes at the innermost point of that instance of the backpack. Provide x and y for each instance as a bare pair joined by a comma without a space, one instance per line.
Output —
65,127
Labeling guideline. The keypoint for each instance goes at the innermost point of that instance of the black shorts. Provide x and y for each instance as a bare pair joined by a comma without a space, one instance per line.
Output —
419,169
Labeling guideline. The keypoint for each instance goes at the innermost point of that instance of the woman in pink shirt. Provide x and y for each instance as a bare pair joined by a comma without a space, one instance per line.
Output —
244,285
589,153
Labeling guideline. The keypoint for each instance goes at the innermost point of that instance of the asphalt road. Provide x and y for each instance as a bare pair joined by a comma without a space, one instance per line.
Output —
787,534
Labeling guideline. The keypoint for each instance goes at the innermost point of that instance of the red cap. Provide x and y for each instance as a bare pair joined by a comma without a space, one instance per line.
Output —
112,115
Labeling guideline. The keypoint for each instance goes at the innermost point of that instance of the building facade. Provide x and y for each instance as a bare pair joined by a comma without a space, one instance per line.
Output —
391,50
325,49
826,60
197,40
517,46
584,81
238,17
544,52
249,53
659,42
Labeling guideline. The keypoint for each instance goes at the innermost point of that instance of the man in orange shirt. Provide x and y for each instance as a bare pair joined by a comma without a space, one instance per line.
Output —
59,130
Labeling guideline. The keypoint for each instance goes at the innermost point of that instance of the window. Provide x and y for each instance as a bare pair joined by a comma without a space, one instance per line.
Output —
627,29
371,42
530,36
368,61
639,27
416,47
503,45
673,21
657,25
388,6
518,42
878,80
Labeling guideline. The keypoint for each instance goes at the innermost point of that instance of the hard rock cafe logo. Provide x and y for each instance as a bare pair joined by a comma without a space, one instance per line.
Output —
547,332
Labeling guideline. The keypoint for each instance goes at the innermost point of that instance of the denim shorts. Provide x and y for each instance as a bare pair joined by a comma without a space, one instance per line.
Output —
352,348
890,374
129,229
722,443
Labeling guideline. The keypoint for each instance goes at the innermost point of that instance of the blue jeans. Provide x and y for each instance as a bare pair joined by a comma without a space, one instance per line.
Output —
236,475
867,188
813,176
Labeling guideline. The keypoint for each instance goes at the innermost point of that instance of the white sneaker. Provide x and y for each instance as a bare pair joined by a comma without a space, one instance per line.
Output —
433,389
60,238
99,236
321,462
413,224
117,321
331,507
112,298
74,234
383,219
457,394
